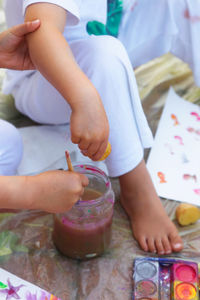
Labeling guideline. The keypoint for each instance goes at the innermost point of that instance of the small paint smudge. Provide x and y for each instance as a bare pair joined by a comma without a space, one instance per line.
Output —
195,114
2,285
122,289
197,191
179,138
169,148
188,176
134,6
43,296
184,158
53,298
161,176
197,131
174,118
193,130
190,129
107,184
192,19
111,200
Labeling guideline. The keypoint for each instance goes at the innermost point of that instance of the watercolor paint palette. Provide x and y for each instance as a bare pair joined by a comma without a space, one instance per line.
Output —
165,279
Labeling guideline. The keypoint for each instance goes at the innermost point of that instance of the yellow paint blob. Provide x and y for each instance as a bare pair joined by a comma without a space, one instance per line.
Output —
107,152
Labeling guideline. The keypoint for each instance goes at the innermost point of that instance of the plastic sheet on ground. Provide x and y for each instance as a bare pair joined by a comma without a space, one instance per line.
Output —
26,247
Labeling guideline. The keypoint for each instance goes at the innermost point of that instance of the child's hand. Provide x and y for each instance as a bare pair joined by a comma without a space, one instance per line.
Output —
89,126
55,191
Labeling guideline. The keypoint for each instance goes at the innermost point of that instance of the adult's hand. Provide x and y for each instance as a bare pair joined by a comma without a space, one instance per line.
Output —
14,53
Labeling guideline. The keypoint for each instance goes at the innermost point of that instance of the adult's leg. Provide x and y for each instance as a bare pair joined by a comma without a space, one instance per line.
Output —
10,148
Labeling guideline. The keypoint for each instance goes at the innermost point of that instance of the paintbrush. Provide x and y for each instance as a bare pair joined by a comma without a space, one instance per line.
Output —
69,163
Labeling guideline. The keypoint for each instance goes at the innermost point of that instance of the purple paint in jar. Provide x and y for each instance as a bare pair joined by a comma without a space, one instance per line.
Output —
85,231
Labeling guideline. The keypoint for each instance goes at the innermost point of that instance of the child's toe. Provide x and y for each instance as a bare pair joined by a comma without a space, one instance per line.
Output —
143,243
166,245
151,245
159,246
176,242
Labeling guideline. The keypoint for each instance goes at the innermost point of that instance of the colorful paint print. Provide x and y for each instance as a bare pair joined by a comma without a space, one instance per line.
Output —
195,114
179,138
13,287
174,159
165,279
188,177
161,176
12,291
174,118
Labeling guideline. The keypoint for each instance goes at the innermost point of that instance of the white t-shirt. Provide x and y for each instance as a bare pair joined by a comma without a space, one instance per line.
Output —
79,13
78,10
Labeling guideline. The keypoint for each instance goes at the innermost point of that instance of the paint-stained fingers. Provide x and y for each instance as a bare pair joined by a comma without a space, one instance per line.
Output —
151,245
98,155
143,243
159,246
166,245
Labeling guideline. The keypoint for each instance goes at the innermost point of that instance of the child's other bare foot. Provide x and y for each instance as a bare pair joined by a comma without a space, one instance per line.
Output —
151,226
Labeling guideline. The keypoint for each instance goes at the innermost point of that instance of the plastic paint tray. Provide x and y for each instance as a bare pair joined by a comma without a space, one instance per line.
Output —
165,279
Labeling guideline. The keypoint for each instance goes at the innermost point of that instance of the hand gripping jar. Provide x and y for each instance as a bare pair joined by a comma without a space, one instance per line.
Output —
85,231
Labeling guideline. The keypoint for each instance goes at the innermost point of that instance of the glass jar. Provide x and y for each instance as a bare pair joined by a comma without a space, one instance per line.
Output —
85,231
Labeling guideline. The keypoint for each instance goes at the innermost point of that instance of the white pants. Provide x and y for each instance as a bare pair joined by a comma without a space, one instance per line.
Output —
148,29
151,28
10,148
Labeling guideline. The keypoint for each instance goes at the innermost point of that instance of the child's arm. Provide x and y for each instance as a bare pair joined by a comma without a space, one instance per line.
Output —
52,56
53,191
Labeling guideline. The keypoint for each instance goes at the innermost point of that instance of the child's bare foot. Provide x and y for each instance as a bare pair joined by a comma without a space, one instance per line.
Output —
151,226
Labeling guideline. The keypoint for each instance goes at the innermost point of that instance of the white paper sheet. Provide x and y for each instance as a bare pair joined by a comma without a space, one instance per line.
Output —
174,160
13,287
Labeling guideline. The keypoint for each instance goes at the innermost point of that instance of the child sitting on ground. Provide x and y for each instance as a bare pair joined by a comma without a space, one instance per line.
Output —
86,78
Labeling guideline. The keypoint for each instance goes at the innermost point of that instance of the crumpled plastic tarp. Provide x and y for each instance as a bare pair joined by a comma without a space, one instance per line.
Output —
27,250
